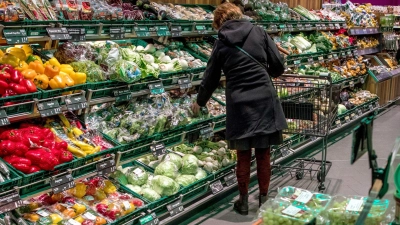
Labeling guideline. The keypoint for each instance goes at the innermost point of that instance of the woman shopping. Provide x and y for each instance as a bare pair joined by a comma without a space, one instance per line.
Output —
255,119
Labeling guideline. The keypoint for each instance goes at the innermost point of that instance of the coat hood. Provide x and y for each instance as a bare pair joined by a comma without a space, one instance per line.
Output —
235,32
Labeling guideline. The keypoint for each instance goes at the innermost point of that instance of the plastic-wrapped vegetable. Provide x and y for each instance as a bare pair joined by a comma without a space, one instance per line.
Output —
125,71
186,180
93,71
164,186
137,176
167,168
150,194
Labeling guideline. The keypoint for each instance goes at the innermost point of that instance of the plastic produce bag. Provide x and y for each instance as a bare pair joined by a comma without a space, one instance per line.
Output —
124,71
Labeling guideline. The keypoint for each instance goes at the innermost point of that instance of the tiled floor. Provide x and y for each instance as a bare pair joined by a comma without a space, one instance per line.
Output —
343,178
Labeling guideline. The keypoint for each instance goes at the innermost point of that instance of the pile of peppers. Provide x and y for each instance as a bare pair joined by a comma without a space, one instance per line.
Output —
32,148
12,82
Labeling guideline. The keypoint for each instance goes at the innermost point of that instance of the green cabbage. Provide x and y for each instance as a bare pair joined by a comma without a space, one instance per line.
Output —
200,174
135,188
186,180
150,194
176,159
137,176
130,55
189,164
341,109
167,168
164,186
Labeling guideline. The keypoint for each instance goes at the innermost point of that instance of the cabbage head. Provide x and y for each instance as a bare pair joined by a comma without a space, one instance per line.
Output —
135,188
150,194
189,164
164,186
185,180
167,168
175,158
137,176
200,174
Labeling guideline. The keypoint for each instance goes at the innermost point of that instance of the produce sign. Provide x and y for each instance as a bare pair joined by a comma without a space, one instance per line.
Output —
142,31
185,83
176,31
58,33
338,124
158,149
106,167
284,151
156,88
117,33
49,108
230,179
175,208
149,220
3,118
122,95
15,36
62,183
77,34
216,187
10,202
206,132
76,102
162,31
201,29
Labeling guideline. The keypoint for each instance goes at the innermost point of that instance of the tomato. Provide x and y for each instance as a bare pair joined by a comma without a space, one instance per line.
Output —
29,85
19,89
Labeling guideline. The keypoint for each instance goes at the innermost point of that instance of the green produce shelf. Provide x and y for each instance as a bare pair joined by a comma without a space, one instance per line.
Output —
58,92
91,26
19,108
20,98
354,112
137,148
15,180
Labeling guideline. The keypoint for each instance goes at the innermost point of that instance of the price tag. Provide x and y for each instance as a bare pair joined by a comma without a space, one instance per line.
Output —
142,31
291,211
300,26
347,118
335,56
337,26
185,83
318,26
359,112
353,116
216,187
331,26
308,27
117,33
201,29
330,57
364,31
73,222
323,27
162,31
122,95
320,58
355,205
304,197
62,183
289,27
156,88
175,208
282,27
149,220
49,108
310,60
76,102
15,36
230,179
13,197
106,167
351,84
3,118
206,133
58,33
284,151
370,107
355,53
273,27
296,62
349,53
77,34
11,206
176,31
158,149
338,123
377,105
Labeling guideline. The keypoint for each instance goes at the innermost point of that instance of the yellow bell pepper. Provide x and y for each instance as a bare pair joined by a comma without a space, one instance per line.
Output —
54,62
67,70
79,78
1,53
17,52
51,70
79,191
27,49
22,66
67,79
79,219
65,66
31,217
29,74
57,82
79,208
55,218
41,81
109,187
10,59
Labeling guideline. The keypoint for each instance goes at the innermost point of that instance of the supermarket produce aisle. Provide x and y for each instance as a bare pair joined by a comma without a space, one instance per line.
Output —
343,178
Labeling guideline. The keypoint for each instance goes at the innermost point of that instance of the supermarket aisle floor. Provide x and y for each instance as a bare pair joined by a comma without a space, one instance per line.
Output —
343,178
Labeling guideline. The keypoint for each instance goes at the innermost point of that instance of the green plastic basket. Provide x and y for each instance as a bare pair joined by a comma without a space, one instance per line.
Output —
32,28
15,180
137,148
59,92
20,98
23,107
91,26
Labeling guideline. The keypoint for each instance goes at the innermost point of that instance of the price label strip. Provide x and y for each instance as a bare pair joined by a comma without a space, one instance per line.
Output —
158,149
117,33
77,34
58,33
201,29
351,84
359,112
106,167
156,88
10,202
216,187
230,179
176,31
142,31
122,95
62,183
320,58
310,60
162,31
15,36
185,83
175,208
3,118
49,108
206,133
149,220
76,102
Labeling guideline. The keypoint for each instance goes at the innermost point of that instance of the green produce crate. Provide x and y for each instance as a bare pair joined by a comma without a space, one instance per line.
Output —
198,124
105,88
91,26
137,148
95,157
59,92
173,77
15,180
220,122
198,73
18,108
32,28
172,137
19,98
223,172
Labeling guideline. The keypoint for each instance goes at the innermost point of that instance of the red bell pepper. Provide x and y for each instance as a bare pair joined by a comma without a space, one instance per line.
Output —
7,147
3,86
57,153
46,199
36,155
29,85
50,144
18,88
8,93
12,135
5,66
16,76
25,168
48,161
66,156
20,149
5,76
34,169
48,134
62,145
13,159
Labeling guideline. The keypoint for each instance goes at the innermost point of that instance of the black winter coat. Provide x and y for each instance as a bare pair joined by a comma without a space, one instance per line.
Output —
253,107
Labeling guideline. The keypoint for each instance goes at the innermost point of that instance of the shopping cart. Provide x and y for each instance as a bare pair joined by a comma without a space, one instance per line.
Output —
309,110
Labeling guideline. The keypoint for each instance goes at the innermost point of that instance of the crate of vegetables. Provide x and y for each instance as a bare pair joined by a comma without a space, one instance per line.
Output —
94,200
8,177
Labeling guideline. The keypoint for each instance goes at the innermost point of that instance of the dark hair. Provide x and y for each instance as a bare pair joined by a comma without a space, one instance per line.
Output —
225,12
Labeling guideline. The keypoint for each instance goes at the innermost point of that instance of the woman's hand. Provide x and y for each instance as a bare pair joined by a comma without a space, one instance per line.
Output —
195,108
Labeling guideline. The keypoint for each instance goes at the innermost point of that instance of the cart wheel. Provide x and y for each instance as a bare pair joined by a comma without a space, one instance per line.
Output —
299,174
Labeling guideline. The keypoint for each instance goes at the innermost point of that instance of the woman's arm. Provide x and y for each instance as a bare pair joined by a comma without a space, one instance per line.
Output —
274,59
211,78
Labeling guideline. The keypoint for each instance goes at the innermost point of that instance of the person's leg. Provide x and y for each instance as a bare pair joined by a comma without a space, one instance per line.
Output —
263,157
243,177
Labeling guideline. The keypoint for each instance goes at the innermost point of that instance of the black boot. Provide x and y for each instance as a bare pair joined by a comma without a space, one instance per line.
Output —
242,205
262,199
